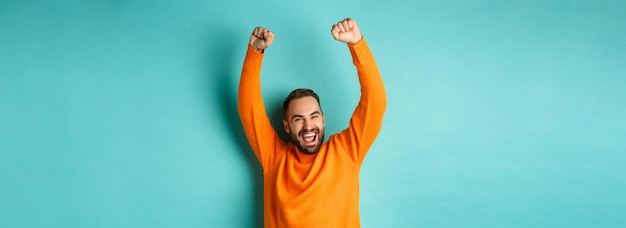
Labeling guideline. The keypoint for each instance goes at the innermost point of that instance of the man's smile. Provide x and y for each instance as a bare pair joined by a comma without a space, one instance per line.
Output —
308,138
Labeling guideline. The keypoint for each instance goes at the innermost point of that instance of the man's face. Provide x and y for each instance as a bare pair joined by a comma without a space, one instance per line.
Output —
304,122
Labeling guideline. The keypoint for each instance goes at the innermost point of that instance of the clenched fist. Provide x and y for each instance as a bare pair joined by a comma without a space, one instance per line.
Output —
346,31
261,39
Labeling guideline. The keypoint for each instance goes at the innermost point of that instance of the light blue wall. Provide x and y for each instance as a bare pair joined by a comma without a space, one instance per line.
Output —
500,113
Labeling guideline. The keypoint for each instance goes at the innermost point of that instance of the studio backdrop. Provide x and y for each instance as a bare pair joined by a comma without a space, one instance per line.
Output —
500,113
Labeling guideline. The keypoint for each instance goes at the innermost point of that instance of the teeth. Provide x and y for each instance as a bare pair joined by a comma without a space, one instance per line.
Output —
309,137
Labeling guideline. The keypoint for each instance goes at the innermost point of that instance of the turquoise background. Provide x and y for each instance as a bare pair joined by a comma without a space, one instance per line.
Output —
500,113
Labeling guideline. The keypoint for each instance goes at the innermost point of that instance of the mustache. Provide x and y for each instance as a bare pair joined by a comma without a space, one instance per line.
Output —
313,130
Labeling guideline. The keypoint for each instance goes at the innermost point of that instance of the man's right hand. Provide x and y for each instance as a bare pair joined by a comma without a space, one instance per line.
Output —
261,39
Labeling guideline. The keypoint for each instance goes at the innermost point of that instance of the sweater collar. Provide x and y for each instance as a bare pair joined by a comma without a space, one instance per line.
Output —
304,158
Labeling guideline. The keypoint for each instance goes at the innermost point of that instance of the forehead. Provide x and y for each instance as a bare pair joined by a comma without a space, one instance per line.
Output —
303,106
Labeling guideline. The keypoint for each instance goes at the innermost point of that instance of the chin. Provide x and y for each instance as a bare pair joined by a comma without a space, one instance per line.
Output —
310,149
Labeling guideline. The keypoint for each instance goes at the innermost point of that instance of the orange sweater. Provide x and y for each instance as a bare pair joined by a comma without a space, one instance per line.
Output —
319,190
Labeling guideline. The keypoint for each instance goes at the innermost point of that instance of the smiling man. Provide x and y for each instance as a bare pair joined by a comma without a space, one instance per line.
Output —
309,182
304,120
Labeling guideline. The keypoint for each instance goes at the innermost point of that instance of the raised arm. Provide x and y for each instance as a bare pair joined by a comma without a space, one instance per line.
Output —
256,124
367,118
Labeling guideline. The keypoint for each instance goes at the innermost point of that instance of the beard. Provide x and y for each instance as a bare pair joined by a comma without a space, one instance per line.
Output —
308,149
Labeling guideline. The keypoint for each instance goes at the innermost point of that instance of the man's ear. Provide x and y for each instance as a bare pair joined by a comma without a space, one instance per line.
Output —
286,126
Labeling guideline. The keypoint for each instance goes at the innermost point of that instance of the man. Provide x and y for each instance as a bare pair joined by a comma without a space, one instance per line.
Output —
309,183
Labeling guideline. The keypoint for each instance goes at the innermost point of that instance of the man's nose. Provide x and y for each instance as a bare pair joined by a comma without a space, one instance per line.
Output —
308,125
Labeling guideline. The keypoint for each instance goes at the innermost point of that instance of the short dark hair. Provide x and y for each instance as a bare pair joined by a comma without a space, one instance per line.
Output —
299,93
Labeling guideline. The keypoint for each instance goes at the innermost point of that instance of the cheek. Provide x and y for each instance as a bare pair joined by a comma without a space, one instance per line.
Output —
295,128
320,123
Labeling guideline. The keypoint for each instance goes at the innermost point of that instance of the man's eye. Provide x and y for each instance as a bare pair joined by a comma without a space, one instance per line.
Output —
314,117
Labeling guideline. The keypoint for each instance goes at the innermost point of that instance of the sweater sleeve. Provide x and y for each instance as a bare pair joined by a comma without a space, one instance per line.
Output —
259,131
366,121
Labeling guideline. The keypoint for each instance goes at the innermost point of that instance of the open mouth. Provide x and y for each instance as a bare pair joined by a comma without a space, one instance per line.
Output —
309,138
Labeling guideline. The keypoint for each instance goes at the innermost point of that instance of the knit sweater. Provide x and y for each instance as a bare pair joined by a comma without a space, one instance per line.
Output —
312,190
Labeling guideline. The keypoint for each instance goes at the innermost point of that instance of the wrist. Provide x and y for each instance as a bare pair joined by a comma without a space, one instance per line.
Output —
353,42
256,49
